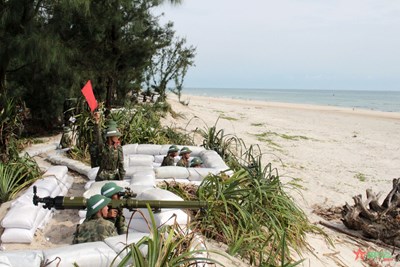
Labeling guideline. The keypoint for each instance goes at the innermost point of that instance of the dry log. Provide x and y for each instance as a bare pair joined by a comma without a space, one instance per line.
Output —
380,222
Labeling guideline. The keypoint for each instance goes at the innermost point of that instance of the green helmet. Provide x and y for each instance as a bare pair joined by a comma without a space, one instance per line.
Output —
185,150
112,131
195,162
95,203
173,148
110,189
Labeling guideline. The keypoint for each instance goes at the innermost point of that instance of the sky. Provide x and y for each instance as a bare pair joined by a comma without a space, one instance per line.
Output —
291,44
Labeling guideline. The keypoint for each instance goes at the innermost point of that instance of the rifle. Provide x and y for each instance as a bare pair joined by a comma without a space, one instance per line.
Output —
129,202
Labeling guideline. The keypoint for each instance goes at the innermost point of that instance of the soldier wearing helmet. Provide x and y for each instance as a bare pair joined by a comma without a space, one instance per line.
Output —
169,158
196,163
95,227
185,155
111,154
111,190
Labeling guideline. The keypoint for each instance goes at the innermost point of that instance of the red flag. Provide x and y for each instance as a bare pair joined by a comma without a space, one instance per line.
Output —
87,91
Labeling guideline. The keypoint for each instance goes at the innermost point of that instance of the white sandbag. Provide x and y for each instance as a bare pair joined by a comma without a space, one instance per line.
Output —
82,214
57,171
156,165
143,178
196,150
171,172
49,184
141,160
158,194
148,149
130,171
18,235
96,187
21,216
198,174
89,184
118,243
43,218
138,189
212,159
92,173
86,254
158,158
21,258
67,185
139,225
129,149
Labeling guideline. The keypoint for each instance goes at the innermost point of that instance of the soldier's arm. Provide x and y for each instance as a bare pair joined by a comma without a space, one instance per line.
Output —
121,169
97,133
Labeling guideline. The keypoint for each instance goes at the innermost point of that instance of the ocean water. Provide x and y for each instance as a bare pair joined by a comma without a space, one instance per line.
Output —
388,101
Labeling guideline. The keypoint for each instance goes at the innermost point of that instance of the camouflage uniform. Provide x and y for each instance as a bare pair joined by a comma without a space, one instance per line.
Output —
168,161
112,160
119,223
94,229
183,162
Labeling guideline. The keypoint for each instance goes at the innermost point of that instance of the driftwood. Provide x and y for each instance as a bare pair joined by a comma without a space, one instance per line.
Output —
375,221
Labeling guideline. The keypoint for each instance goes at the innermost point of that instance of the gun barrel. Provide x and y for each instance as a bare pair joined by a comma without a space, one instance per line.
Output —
131,203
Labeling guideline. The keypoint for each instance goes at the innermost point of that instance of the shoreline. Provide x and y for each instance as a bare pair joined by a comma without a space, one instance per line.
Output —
314,107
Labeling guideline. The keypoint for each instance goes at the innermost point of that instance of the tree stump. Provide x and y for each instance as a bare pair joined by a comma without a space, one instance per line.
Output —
374,220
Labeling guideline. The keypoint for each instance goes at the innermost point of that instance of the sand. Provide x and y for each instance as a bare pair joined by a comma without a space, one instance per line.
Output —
333,153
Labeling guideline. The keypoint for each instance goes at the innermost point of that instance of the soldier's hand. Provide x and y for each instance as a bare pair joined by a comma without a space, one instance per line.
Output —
112,213
96,116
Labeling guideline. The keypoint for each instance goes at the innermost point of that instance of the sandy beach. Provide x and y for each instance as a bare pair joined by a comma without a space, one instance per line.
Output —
333,153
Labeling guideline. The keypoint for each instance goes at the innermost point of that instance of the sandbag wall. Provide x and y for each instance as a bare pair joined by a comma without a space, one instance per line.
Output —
23,218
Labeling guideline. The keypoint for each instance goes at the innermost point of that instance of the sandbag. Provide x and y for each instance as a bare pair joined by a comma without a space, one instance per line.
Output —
50,183
18,235
89,184
118,243
130,171
143,178
129,149
212,159
21,216
148,149
92,173
57,171
86,254
21,258
138,189
158,158
67,185
171,172
96,187
198,174
141,160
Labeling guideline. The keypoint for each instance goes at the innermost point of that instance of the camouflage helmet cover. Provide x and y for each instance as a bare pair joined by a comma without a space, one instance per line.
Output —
109,189
96,203
195,162
173,148
185,150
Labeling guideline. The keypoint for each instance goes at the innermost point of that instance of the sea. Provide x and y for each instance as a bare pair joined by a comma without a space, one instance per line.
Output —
388,101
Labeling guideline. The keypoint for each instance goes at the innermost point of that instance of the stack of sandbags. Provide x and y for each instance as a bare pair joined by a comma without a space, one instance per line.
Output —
141,221
86,254
23,218
174,172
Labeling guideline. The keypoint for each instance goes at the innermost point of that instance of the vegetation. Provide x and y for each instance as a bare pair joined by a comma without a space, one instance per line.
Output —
51,48
168,245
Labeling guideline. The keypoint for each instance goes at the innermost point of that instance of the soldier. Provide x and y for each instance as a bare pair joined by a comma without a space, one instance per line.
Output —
185,155
111,154
196,163
95,227
66,138
169,158
111,190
